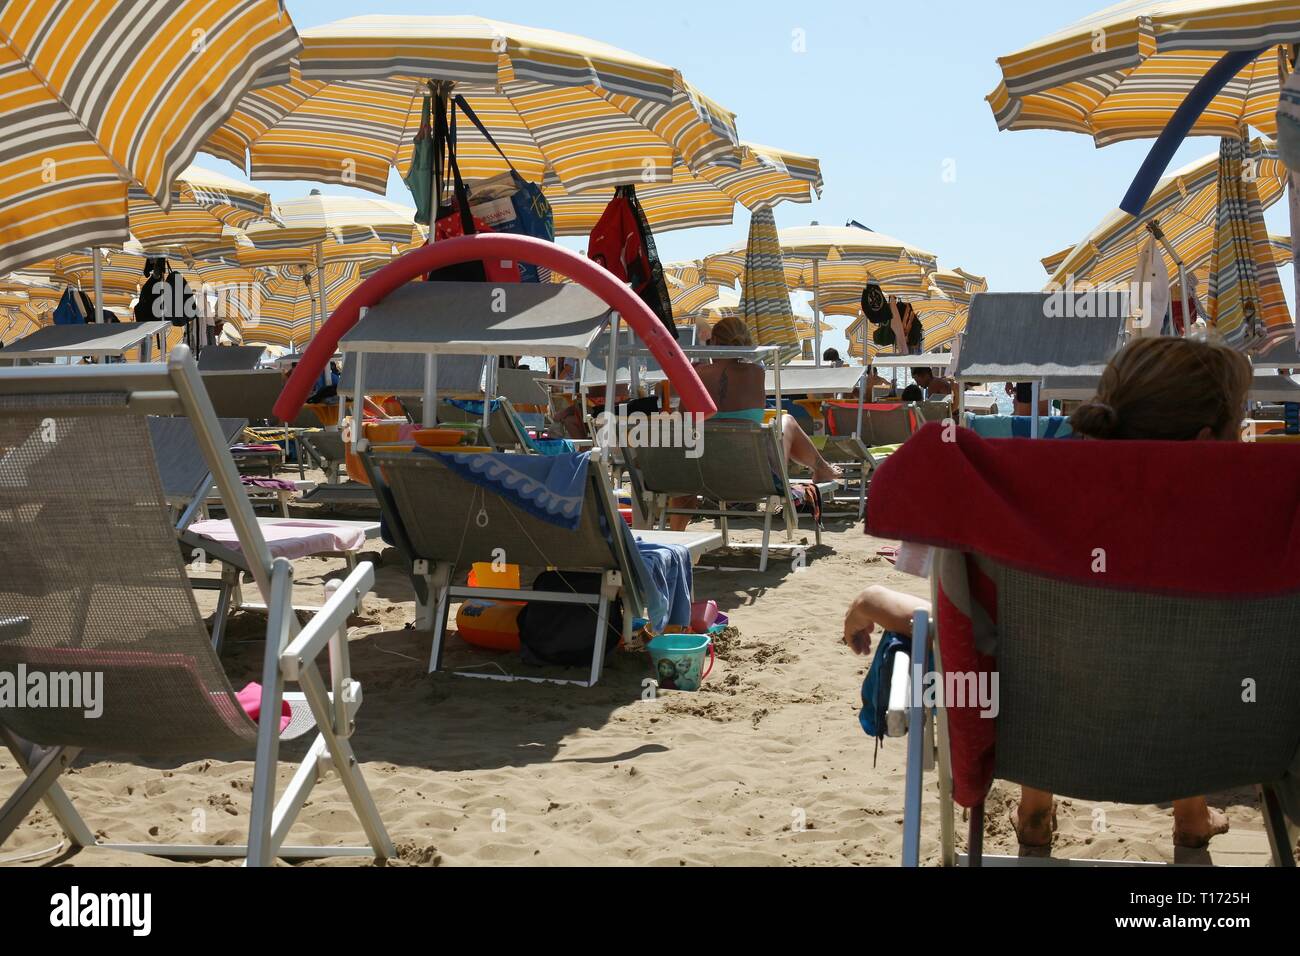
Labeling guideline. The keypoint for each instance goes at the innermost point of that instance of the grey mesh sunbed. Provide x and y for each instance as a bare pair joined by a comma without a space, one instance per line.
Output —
443,524
94,588
741,463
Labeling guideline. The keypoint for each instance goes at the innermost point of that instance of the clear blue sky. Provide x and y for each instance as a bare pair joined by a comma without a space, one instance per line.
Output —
884,96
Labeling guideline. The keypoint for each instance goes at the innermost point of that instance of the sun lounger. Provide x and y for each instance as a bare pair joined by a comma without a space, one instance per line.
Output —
91,569
443,523
186,483
1133,663
741,463
882,425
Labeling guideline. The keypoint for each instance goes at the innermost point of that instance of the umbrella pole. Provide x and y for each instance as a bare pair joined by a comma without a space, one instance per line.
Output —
430,416
817,318
99,285
320,291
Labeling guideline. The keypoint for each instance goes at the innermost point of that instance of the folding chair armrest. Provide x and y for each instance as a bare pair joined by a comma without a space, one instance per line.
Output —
328,622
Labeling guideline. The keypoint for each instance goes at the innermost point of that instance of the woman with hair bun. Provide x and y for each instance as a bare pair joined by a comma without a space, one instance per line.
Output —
1154,389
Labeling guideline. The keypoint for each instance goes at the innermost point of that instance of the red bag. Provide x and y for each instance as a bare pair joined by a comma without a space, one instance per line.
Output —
622,243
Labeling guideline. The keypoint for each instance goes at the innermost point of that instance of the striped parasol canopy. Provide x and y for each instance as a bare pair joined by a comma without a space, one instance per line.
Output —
1185,204
1246,301
766,176
207,209
99,96
319,228
591,115
943,310
765,297
285,312
801,245
1121,73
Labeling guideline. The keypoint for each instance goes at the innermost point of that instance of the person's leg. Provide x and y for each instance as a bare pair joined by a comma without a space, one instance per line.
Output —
878,606
799,447
1195,823
680,522
1034,818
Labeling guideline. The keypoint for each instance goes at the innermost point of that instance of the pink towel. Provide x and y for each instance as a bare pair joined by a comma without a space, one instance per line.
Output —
250,698
287,537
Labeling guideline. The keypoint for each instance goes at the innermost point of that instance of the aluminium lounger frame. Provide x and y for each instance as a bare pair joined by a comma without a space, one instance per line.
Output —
431,575
291,653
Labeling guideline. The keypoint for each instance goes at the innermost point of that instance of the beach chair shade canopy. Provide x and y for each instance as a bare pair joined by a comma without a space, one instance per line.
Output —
230,358
468,318
110,338
1016,336
595,368
816,381
393,373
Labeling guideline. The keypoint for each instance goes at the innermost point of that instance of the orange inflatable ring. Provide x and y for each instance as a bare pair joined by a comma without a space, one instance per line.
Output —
491,625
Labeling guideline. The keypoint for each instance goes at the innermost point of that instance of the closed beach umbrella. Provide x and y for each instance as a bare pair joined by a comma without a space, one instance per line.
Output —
1246,298
592,115
1120,74
765,297
99,97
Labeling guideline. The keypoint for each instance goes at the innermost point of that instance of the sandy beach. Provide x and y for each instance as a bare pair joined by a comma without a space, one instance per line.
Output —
766,765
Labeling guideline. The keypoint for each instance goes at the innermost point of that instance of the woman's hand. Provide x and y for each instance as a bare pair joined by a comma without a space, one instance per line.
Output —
858,626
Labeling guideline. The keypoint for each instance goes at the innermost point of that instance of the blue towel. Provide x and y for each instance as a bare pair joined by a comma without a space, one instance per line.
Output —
1017,426
472,407
669,570
550,487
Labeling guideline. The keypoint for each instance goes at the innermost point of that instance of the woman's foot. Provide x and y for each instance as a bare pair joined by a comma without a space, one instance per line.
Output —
823,471
1034,828
1196,826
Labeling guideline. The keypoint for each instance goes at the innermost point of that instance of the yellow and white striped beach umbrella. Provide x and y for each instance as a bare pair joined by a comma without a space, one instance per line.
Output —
801,245
319,228
766,176
1121,73
206,211
286,310
1185,204
98,96
594,115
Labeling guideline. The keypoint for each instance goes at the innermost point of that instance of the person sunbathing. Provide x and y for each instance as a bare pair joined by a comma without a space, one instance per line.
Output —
1154,389
739,389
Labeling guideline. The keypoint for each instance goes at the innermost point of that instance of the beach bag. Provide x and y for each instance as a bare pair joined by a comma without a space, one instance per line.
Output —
456,218
419,178
510,203
70,310
622,242
563,633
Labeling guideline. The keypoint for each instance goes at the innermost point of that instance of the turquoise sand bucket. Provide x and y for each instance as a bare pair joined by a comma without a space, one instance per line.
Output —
679,658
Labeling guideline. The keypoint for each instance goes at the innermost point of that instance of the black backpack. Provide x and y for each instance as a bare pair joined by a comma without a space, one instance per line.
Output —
563,633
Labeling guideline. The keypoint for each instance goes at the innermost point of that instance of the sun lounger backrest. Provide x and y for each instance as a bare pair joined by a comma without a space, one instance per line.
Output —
249,395
1140,698
90,563
440,513
1144,644
182,468
737,464
881,424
